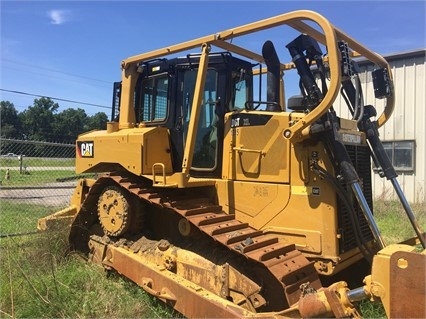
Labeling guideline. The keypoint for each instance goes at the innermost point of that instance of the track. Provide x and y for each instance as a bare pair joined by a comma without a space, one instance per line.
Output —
282,266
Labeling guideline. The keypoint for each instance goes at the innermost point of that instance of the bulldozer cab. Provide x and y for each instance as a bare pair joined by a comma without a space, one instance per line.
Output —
164,95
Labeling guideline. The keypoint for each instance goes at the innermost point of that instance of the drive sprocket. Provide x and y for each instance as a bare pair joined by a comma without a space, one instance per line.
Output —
115,211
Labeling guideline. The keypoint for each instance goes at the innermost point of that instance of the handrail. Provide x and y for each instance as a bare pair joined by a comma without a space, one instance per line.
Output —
163,173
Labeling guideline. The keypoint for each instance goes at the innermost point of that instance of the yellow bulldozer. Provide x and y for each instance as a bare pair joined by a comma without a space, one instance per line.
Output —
225,205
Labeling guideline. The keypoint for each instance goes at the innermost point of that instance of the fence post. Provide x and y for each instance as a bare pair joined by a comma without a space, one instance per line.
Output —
20,164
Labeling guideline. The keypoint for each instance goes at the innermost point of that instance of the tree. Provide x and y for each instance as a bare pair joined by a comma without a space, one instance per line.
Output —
97,121
69,124
9,120
38,119
42,122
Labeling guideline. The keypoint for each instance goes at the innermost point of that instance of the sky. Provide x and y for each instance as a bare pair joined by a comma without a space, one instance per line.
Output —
71,50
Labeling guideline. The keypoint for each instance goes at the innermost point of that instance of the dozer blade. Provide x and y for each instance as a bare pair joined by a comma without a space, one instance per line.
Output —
59,220
63,219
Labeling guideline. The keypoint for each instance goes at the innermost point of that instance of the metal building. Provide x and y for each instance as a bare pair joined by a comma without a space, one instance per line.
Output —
404,135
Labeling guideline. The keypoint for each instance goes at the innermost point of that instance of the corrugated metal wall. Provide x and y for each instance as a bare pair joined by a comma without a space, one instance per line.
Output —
408,121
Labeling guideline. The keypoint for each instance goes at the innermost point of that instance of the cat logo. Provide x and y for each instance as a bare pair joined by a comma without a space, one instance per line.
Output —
85,149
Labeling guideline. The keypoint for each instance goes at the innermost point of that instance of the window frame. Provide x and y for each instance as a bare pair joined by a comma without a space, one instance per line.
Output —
243,92
393,149
153,108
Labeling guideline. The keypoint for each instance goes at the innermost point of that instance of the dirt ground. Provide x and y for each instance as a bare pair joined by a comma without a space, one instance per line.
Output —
53,194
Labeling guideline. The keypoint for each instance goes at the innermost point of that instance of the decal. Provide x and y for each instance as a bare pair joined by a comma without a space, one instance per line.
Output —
85,149
351,138
316,191
242,120
305,190
235,122
260,191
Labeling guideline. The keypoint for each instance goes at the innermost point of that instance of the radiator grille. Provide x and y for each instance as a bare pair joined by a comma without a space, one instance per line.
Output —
360,156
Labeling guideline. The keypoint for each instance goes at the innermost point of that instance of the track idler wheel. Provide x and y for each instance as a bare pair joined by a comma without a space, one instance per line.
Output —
115,211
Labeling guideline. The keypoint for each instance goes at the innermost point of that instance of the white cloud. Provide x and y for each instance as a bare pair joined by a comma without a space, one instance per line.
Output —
58,16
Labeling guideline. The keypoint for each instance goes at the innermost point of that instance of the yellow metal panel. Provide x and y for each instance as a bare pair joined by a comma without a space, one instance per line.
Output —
304,218
305,240
99,151
254,203
157,150
298,202
257,152
107,149
380,273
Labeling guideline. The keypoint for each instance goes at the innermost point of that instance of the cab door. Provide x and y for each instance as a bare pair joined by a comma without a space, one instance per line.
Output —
206,153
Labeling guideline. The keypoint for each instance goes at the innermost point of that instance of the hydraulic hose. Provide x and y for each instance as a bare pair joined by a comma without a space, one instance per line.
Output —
349,174
366,252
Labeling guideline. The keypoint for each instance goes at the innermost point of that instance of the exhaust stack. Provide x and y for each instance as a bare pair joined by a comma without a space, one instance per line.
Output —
273,76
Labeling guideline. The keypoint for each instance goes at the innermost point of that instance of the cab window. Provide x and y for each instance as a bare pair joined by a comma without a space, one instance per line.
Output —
241,93
206,138
153,99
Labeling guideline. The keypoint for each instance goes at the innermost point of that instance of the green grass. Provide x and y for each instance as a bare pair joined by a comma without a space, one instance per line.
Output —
37,162
35,177
371,310
393,222
39,279
20,218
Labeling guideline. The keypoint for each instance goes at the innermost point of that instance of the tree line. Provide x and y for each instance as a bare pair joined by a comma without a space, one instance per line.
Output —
42,122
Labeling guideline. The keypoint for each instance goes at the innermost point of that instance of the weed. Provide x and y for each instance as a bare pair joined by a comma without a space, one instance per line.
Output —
39,280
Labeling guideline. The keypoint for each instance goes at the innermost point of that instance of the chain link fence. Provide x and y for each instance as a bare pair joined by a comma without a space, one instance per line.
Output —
37,179
39,276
